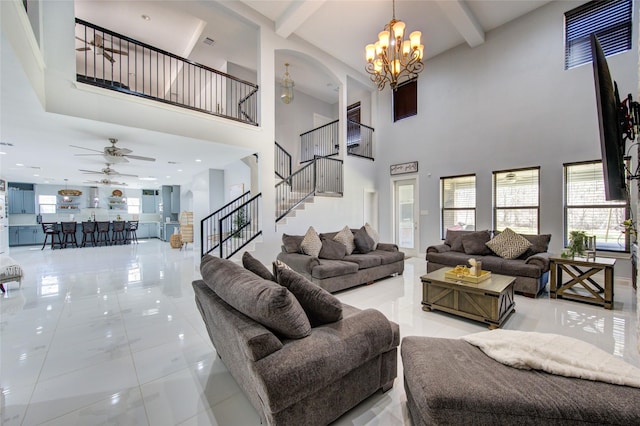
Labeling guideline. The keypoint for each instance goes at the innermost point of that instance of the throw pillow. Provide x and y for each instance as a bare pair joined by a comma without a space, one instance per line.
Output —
311,243
453,239
320,306
254,265
264,301
345,236
332,250
508,244
292,243
475,243
278,264
539,244
363,242
373,234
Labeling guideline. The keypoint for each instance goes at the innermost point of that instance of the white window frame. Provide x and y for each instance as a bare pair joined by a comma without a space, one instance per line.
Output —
512,205
133,205
48,204
445,208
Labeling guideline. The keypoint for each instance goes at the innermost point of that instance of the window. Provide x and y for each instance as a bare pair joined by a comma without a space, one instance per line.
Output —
458,203
47,203
133,205
610,20
405,100
587,210
516,200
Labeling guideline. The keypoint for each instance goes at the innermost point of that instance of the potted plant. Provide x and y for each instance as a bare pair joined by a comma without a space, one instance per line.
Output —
239,222
577,244
629,228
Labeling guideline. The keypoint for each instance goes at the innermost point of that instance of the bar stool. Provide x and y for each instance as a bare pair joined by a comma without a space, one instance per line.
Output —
103,233
88,233
51,229
69,234
117,236
131,228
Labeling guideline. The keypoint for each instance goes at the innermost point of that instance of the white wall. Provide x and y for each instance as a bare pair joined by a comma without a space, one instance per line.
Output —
234,174
507,103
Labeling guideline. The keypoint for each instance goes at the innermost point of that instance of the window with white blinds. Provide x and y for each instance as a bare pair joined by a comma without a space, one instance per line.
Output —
610,20
516,200
586,208
458,203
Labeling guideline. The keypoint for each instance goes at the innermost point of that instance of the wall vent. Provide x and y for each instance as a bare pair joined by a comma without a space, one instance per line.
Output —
209,41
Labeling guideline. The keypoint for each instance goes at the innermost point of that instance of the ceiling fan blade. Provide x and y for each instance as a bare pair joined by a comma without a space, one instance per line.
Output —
106,55
124,151
139,157
98,40
82,40
116,51
88,149
90,171
123,174
83,49
115,158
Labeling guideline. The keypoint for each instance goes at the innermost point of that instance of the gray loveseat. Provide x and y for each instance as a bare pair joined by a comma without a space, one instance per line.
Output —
294,371
335,273
531,269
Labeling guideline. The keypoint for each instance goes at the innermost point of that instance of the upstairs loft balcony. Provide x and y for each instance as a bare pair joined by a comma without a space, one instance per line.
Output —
115,62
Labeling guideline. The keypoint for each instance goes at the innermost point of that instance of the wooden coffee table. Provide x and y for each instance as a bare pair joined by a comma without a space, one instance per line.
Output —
490,301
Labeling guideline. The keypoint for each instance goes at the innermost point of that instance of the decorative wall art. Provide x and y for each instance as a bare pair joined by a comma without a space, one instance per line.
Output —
403,168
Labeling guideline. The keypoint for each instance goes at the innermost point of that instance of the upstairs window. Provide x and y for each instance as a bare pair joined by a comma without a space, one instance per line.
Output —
586,208
516,200
610,20
458,203
405,100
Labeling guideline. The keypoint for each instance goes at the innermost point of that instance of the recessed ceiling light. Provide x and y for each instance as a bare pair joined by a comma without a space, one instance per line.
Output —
179,170
3,153
36,175
198,160
19,164
148,178
146,17
168,177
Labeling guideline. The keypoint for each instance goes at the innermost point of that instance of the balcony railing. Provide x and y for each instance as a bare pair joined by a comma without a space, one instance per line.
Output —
211,234
359,140
112,61
282,162
243,224
321,141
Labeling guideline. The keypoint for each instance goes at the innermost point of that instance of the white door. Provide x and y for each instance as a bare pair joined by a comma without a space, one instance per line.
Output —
406,216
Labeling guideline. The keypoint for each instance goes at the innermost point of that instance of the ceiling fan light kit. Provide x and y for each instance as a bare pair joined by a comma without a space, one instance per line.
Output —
393,59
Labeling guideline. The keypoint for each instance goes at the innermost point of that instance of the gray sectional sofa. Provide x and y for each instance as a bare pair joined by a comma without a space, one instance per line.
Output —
335,273
300,356
531,269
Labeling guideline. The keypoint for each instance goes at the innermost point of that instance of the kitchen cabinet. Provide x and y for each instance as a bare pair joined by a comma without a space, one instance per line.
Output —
149,201
22,201
26,235
175,199
169,229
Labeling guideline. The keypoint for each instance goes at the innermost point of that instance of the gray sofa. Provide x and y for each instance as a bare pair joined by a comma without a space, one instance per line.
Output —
306,375
335,274
531,269
452,382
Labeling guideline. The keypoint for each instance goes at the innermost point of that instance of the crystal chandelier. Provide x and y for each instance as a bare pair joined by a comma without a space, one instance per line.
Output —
393,58
286,95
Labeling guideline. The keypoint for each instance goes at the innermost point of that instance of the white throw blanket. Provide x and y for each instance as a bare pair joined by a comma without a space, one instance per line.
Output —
9,267
555,354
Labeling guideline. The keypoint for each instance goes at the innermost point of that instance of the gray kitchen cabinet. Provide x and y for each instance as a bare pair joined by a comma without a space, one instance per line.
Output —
175,199
143,230
26,235
169,229
149,202
22,201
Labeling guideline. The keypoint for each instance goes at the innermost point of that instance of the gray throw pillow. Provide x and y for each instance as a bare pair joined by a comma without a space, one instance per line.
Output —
364,243
539,244
255,266
292,243
453,239
476,243
332,250
264,301
320,306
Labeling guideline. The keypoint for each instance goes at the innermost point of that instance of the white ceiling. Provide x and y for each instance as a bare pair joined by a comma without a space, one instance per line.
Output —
340,27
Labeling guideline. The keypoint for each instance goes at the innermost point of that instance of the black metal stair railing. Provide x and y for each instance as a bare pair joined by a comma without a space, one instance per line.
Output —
113,61
359,140
282,161
322,142
323,175
242,225
210,231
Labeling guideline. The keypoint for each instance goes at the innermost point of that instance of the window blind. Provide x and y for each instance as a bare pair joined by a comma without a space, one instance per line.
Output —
458,203
610,20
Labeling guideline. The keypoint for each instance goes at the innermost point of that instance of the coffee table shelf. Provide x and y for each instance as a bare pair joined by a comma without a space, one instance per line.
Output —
490,301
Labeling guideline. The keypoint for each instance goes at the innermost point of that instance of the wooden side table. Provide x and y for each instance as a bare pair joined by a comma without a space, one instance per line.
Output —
582,285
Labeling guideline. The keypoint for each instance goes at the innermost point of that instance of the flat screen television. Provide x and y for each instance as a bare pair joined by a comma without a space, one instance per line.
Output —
611,139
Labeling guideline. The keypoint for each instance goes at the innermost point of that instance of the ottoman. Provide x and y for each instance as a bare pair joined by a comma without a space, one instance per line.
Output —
452,382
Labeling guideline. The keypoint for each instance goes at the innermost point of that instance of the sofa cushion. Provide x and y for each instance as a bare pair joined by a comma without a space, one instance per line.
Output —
320,306
254,265
508,244
476,242
332,250
311,243
518,268
451,258
363,242
345,236
333,268
388,257
539,244
264,301
292,243
364,261
373,234
452,239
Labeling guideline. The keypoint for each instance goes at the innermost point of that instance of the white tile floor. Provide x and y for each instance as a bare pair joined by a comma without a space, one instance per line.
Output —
111,335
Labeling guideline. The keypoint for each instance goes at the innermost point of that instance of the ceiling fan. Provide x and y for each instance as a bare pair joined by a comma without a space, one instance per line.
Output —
97,44
107,171
114,154
106,181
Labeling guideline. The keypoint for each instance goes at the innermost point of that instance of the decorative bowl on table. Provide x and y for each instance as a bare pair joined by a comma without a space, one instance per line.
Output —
116,193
